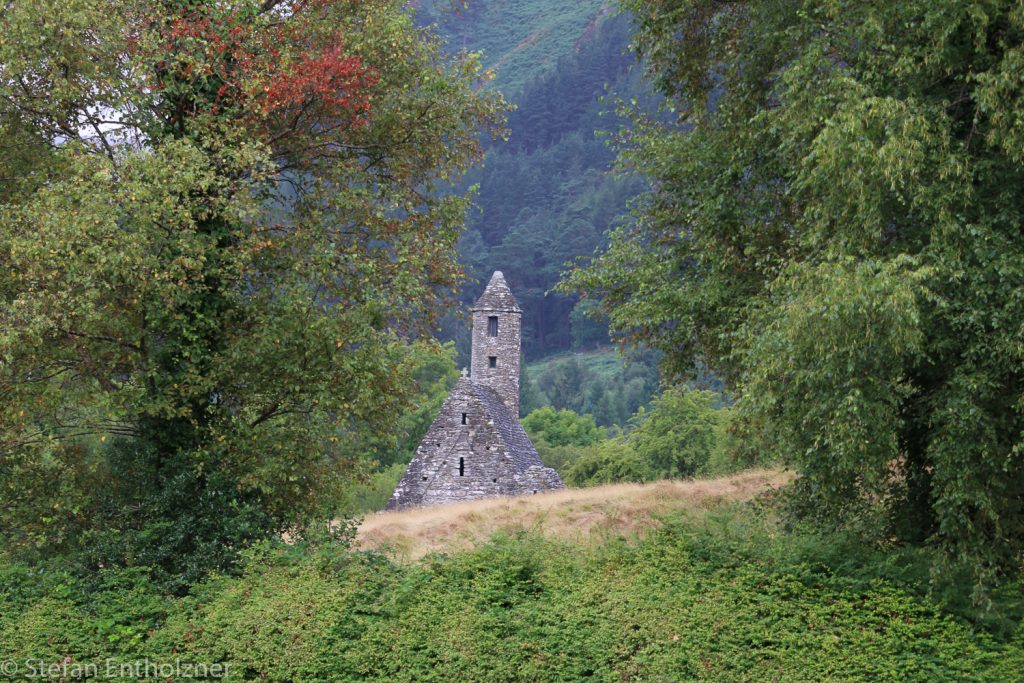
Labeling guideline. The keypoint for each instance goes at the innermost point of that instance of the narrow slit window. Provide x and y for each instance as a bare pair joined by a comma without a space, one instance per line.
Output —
492,361
465,418
492,326
462,467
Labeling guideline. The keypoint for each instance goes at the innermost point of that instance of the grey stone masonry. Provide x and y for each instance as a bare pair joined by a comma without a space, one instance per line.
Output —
476,448
497,331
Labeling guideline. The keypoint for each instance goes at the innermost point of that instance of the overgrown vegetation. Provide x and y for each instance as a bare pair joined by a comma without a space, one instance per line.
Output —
228,228
718,597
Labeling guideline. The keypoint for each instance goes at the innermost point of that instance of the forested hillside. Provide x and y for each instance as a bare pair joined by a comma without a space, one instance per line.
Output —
523,40
546,195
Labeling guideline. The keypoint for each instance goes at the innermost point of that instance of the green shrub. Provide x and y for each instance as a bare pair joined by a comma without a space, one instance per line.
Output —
607,463
560,458
723,596
373,494
49,615
683,434
562,427
678,435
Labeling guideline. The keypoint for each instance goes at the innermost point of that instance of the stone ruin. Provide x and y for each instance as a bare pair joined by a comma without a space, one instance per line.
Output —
476,447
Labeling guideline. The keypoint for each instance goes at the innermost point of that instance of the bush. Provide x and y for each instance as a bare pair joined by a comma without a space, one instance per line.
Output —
677,436
559,458
562,427
373,494
46,614
562,436
683,434
609,462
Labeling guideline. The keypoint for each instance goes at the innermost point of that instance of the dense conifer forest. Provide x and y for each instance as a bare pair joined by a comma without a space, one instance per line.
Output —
547,194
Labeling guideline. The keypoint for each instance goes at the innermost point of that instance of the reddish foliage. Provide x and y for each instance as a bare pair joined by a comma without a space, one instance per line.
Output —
337,81
259,76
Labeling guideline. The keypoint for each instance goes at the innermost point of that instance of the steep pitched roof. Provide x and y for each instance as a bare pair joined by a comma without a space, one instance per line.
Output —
497,296
504,461
515,438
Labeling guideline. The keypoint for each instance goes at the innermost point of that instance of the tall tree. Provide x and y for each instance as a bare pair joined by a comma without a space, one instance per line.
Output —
836,226
213,260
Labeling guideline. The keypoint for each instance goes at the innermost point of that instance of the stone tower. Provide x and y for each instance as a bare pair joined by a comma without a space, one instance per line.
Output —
476,447
497,331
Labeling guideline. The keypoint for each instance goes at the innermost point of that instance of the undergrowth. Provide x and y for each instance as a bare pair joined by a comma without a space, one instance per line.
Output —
722,596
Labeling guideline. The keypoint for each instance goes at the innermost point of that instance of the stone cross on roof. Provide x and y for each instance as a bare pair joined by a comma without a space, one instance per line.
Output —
465,372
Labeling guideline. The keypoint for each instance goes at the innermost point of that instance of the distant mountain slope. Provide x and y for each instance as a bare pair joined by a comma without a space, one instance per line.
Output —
522,39
546,197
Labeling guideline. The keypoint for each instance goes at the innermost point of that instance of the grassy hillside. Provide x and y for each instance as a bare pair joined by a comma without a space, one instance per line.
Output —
586,517
598,382
605,362
521,39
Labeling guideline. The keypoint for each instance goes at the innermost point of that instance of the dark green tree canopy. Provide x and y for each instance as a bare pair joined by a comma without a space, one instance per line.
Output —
836,227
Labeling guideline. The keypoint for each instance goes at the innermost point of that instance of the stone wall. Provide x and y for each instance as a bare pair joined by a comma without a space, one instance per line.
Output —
487,455
434,475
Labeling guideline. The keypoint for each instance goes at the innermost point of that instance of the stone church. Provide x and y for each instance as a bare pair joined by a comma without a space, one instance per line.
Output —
476,447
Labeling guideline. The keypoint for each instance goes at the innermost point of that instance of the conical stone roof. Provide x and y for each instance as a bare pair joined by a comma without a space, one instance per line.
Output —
497,296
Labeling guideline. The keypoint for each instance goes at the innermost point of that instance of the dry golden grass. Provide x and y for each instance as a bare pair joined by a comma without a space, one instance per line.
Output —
581,515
